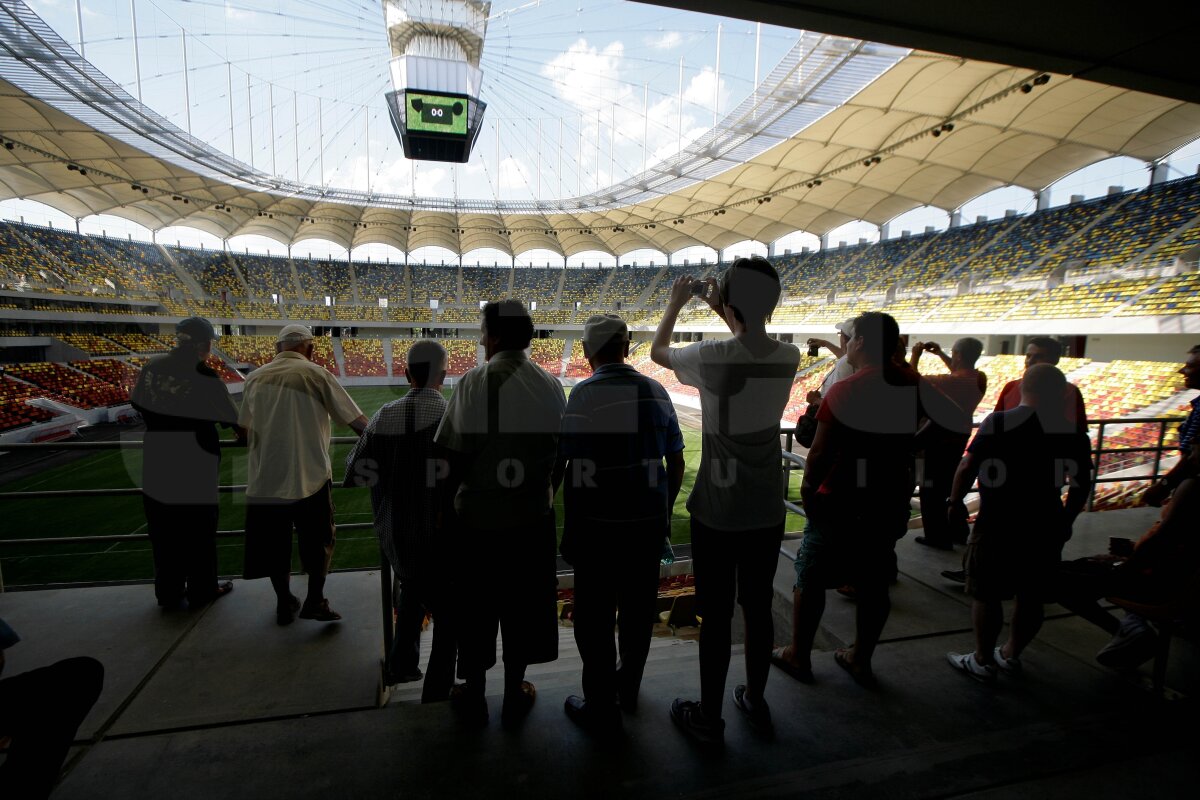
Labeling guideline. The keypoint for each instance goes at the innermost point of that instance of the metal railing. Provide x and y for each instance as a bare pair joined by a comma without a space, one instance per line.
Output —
792,462
795,462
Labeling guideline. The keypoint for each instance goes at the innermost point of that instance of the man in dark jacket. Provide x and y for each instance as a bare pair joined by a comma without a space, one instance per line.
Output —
182,400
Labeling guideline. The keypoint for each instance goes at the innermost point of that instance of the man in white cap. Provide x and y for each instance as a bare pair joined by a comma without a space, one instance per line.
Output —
842,368
619,428
286,406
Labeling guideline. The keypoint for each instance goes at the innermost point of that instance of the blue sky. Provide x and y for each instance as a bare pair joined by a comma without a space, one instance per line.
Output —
587,68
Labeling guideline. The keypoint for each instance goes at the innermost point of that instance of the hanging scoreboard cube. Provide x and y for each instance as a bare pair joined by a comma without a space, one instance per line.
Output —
435,127
436,46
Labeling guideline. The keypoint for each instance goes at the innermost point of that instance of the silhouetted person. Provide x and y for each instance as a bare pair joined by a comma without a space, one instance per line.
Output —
966,386
1023,458
1189,437
286,407
406,471
1044,350
501,427
856,491
40,711
1154,570
618,429
182,400
736,505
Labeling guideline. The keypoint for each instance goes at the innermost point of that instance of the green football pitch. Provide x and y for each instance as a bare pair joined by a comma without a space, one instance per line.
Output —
107,516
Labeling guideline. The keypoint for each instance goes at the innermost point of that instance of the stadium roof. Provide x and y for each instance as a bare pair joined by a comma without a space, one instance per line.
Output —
796,155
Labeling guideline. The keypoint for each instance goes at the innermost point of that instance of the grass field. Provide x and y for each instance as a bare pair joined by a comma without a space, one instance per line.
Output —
100,516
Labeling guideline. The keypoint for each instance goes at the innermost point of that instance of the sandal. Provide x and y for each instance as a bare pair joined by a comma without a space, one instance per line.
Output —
863,677
802,674
757,715
223,588
320,612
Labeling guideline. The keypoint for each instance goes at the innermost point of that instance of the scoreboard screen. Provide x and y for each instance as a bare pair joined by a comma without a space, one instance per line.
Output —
434,113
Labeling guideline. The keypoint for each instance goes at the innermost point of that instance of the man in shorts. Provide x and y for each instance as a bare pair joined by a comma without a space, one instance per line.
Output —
286,407
1023,458
857,487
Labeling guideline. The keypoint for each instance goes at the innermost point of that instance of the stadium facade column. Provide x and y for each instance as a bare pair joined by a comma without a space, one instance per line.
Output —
824,241
772,249
1159,172
885,230
1043,198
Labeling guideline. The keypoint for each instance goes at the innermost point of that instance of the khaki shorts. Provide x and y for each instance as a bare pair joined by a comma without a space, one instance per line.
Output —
269,524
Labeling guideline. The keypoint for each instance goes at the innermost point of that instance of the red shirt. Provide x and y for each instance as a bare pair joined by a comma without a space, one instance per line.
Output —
965,390
1010,398
877,419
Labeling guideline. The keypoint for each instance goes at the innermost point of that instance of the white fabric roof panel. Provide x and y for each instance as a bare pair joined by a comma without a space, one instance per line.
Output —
1002,136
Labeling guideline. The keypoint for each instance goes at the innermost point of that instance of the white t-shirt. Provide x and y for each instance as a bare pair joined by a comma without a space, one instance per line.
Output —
739,485
286,406
841,369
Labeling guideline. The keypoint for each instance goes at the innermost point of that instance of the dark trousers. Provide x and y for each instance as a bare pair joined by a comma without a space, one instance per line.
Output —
733,566
941,462
512,574
616,582
183,540
41,710
418,598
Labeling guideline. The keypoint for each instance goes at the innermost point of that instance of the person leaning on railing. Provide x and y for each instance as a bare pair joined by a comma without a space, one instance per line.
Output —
182,400
1189,437
286,407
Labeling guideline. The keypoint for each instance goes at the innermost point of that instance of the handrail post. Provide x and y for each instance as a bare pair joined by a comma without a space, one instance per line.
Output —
1158,452
385,594
1099,447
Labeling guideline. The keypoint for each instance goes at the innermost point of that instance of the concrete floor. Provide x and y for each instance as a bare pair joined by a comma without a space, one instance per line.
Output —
223,703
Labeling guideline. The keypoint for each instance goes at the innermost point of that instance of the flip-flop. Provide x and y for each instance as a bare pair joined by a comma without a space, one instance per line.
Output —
223,588
861,677
802,674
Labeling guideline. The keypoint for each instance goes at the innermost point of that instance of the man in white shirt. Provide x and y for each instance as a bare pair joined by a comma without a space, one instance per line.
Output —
286,406
501,428
737,511
842,368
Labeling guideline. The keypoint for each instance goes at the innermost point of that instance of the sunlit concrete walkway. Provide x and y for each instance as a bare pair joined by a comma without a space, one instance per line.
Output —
224,703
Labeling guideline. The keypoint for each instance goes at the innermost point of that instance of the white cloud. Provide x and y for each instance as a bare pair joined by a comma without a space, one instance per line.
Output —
589,78
395,177
515,174
665,41
700,90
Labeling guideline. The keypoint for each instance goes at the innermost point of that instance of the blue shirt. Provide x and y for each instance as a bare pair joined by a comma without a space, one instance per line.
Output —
1190,429
618,427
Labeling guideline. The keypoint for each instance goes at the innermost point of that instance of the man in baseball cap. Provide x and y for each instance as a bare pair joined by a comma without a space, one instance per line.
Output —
294,334
286,407
619,428
195,329
182,400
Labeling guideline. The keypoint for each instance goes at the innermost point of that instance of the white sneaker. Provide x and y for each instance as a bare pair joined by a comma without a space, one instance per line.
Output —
1009,666
965,662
